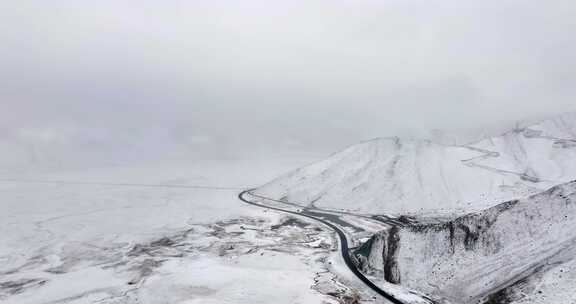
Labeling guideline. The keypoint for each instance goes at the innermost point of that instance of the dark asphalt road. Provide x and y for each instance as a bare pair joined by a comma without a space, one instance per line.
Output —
344,250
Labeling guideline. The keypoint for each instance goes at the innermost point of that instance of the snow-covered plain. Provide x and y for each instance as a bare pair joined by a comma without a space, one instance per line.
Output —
396,176
104,236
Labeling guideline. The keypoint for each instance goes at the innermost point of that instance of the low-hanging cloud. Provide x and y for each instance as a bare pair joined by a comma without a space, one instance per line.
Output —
213,76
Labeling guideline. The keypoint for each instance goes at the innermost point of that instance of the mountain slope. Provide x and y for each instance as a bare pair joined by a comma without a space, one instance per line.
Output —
518,251
540,152
394,176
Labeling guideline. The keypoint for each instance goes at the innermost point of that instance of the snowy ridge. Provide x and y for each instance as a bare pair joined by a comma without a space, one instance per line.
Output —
395,176
534,153
502,252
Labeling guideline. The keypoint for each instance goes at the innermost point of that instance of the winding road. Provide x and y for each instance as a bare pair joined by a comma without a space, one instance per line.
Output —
344,250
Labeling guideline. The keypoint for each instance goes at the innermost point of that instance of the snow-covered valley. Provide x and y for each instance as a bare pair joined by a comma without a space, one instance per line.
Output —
287,152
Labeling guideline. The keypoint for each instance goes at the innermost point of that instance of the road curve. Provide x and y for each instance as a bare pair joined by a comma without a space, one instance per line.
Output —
344,250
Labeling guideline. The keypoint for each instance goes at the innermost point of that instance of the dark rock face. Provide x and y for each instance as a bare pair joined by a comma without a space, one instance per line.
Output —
368,256
381,249
510,293
390,255
472,232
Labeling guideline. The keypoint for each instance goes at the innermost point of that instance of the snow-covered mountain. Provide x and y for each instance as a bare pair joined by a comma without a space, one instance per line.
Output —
395,176
520,251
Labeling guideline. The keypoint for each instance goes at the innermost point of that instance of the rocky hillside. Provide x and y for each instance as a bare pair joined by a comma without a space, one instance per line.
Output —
520,251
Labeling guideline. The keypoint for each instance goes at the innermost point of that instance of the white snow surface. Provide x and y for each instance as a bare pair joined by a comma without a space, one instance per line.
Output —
396,176
91,242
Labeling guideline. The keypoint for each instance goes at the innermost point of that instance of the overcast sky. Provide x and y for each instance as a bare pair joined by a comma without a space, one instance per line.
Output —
299,74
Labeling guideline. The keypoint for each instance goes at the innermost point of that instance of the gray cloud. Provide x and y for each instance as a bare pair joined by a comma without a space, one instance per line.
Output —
207,76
